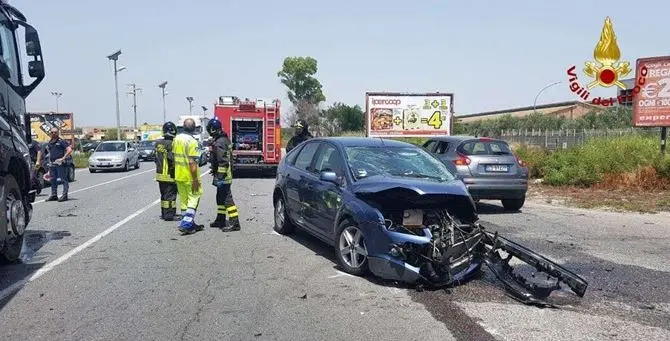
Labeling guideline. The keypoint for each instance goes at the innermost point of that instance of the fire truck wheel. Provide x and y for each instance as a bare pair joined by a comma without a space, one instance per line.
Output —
16,221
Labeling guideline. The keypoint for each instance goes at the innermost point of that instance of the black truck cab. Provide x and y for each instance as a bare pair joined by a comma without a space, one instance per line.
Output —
16,167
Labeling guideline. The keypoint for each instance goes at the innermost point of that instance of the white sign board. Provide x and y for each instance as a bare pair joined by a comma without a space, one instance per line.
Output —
408,115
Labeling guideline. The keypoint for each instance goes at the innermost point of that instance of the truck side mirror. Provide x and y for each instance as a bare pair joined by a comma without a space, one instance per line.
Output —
33,47
35,66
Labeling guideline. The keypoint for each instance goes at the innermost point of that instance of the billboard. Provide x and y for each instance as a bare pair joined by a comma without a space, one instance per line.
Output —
651,105
408,114
42,123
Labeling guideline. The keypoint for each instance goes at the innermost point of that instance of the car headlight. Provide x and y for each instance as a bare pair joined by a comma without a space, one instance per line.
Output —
91,159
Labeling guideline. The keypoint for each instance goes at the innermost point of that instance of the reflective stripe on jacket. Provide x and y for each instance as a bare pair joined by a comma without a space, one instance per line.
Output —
184,147
164,161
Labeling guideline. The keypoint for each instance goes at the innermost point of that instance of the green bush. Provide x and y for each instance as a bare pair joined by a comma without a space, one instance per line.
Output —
80,160
587,164
663,167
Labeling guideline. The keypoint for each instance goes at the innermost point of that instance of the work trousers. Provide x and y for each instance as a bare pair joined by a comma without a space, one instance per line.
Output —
56,172
168,199
189,202
225,205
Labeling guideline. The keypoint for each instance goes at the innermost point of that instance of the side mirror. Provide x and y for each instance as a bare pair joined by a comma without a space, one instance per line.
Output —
329,177
33,47
36,69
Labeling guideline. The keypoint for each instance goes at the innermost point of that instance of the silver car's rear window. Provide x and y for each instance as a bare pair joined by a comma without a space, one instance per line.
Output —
484,147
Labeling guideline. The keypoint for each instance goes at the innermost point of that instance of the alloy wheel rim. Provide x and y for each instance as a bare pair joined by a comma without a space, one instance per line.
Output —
352,247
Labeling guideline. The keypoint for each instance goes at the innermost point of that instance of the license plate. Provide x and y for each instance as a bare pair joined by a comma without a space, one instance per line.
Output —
497,168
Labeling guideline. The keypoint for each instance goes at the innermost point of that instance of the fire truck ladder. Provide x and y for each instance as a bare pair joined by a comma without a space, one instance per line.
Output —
270,121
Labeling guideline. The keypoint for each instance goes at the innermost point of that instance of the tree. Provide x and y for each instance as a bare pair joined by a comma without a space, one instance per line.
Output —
340,117
304,90
110,134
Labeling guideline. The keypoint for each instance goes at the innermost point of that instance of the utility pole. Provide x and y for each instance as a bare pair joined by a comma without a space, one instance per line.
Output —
115,57
134,90
162,86
190,106
57,95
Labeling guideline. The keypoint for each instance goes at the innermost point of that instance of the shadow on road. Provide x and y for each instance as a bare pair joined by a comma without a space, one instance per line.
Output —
28,263
254,174
490,208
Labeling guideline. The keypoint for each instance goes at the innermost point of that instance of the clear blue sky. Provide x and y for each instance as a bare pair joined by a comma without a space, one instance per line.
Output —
490,54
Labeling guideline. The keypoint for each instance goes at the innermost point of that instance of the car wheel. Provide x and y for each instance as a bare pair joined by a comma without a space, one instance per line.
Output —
17,218
513,204
126,167
70,175
91,170
283,224
137,164
350,249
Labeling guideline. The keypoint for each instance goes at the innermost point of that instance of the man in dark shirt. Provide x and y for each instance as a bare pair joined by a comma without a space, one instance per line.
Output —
59,150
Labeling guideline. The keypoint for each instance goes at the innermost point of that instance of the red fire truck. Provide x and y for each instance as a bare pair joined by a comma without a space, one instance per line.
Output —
253,127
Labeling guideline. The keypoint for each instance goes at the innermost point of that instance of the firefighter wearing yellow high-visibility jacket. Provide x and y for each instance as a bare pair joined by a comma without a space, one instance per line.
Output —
227,217
187,176
165,172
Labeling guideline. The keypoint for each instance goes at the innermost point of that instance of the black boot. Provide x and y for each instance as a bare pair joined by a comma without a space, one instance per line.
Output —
233,226
219,222
63,197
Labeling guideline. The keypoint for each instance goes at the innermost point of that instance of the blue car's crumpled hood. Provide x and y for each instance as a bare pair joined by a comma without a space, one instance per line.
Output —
411,193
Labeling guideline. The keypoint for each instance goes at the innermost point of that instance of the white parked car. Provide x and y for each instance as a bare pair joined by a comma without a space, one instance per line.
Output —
114,155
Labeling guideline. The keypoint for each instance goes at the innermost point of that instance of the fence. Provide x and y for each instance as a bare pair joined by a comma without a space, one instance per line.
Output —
564,139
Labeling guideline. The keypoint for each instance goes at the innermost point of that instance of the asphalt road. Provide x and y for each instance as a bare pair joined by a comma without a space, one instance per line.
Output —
104,267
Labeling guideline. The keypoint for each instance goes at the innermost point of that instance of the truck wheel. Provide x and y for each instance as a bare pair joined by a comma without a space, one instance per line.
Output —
16,221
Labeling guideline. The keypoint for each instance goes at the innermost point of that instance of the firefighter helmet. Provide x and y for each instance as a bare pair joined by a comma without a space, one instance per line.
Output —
169,129
214,127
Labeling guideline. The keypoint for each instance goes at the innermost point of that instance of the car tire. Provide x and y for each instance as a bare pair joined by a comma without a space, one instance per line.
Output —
513,204
282,221
137,164
126,167
91,170
11,249
358,251
70,174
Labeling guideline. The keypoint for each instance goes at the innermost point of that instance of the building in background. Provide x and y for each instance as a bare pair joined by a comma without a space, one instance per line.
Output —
627,95
569,110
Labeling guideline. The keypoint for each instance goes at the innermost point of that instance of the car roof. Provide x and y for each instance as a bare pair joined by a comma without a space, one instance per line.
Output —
359,141
461,138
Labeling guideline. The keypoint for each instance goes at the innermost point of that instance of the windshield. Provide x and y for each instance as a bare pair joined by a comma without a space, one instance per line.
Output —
409,162
147,144
111,147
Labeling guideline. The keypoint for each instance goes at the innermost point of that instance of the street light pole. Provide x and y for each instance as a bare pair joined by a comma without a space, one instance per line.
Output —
190,106
115,57
57,95
162,86
541,91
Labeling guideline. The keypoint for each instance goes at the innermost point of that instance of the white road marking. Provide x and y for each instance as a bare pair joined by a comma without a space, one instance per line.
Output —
273,233
101,184
340,274
49,266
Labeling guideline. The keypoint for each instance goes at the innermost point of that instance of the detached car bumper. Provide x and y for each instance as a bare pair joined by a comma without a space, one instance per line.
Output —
496,189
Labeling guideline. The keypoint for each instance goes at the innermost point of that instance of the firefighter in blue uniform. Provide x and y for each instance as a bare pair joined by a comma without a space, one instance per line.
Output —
165,172
221,168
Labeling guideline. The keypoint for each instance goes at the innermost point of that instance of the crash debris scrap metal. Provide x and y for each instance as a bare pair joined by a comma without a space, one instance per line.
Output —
433,246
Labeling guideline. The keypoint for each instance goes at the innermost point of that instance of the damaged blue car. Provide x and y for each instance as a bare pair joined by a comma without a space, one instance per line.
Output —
392,209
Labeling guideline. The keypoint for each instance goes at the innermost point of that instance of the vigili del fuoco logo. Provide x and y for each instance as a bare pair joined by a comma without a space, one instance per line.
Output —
606,71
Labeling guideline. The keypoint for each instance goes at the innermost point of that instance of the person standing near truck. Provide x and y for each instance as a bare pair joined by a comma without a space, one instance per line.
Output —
187,176
227,217
165,172
301,134
59,150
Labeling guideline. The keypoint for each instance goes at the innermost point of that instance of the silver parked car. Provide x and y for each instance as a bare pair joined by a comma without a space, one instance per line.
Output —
487,167
114,155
